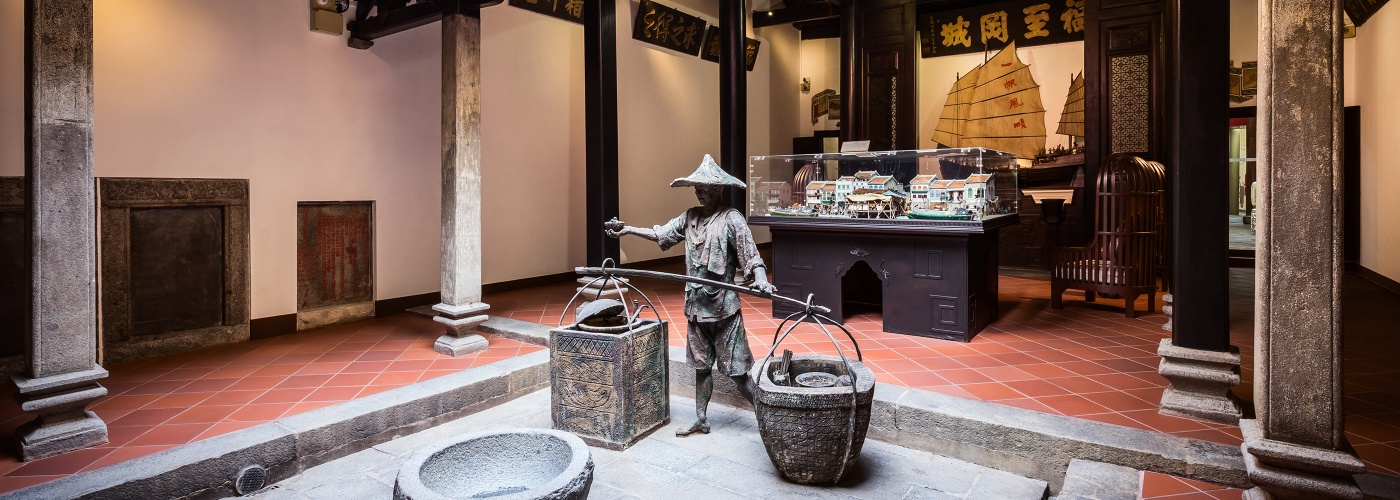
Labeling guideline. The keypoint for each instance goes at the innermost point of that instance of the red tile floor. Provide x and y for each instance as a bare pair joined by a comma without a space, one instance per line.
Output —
164,402
1085,361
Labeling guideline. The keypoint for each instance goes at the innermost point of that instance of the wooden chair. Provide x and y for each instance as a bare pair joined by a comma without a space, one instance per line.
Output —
1124,256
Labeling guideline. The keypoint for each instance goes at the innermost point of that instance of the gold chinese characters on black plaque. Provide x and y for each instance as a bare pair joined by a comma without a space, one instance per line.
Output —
667,27
712,48
994,26
568,10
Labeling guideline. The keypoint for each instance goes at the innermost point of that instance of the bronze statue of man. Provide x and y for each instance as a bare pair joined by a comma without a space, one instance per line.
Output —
719,247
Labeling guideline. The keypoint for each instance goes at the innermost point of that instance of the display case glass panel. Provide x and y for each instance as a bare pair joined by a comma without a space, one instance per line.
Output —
961,184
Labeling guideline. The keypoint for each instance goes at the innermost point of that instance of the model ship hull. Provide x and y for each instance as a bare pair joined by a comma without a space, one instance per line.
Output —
787,212
938,215
1062,168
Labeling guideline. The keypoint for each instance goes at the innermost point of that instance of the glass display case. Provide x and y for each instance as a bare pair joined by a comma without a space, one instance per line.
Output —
953,184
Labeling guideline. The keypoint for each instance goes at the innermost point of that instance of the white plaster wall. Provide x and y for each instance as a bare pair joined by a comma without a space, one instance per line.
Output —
1377,67
785,98
821,63
1244,46
246,90
668,119
12,88
1052,66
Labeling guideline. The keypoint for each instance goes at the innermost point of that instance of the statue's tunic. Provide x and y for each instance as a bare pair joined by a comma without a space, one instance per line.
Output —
720,248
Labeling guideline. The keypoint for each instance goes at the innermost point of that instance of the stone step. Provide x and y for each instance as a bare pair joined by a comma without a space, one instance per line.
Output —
1089,480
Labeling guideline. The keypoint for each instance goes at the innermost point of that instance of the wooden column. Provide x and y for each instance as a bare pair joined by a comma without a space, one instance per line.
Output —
461,180
600,103
1198,360
61,371
1295,448
733,94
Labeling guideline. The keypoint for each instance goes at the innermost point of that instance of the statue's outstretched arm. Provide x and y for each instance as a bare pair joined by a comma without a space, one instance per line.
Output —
617,229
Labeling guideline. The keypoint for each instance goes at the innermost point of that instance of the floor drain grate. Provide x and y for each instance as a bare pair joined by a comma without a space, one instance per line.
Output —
250,479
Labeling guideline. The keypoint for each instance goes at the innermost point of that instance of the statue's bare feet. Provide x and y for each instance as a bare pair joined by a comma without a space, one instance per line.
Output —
699,426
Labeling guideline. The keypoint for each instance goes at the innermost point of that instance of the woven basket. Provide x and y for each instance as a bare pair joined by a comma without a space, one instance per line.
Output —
811,434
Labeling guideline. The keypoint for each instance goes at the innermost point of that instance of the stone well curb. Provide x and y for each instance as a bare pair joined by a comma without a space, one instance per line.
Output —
288,446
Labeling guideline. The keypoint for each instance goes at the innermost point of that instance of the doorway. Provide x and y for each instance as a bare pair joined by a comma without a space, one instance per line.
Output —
862,291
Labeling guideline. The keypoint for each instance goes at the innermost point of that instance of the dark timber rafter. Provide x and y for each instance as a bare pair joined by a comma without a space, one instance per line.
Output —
798,11
393,16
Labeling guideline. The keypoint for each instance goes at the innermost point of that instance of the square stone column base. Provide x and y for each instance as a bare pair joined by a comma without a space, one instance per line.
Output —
1200,382
63,423
461,322
1288,471
39,439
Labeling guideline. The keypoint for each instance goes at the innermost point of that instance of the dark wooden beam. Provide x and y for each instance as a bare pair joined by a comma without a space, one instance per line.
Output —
1198,174
795,13
395,16
600,115
819,29
733,95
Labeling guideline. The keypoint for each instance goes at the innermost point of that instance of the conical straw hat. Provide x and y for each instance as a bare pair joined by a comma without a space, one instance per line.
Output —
709,174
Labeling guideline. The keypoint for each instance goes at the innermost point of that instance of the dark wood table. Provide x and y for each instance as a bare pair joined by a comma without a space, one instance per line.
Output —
936,278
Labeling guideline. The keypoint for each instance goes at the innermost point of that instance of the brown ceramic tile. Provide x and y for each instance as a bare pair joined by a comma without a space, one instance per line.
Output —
170,433
67,463
1036,388
283,396
147,417
1159,485
1070,404
259,412
204,414
992,391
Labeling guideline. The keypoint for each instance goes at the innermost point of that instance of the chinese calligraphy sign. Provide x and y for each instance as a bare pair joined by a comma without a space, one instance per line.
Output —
568,10
712,48
667,27
991,27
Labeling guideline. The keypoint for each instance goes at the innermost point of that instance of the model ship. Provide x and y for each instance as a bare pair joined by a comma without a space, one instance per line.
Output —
1061,162
996,106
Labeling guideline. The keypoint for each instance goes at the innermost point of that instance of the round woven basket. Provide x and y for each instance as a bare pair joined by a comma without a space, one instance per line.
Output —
812,434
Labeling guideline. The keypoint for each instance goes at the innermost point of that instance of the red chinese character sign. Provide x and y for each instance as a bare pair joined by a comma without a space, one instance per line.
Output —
992,27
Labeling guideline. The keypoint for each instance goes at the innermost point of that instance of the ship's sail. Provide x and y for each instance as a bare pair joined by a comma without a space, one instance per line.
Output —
1072,118
952,124
1006,113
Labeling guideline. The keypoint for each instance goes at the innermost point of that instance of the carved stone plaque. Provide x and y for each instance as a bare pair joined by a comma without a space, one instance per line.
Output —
177,269
12,273
174,273
335,259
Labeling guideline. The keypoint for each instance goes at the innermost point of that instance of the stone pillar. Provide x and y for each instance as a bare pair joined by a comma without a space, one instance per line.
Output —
62,372
1295,447
461,305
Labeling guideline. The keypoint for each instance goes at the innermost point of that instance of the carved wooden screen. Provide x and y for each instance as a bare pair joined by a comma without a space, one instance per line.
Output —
1124,77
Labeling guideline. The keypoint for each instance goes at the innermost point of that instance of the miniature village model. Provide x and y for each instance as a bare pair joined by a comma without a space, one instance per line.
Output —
868,194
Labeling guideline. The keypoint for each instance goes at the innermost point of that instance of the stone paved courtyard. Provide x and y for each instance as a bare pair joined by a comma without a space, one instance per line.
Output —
728,463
